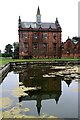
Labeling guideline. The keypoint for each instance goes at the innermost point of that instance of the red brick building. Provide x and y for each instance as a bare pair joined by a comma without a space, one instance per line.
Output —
39,39
43,40
71,48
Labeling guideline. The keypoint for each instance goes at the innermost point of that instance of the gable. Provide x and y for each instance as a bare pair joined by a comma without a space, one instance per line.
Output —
68,43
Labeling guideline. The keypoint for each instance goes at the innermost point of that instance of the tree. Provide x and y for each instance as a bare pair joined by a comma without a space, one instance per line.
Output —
16,49
8,50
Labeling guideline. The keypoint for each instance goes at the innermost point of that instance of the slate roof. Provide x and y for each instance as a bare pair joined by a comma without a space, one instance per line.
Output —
35,25
38,23
75,40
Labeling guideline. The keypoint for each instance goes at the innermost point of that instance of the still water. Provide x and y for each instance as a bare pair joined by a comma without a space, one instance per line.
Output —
55,96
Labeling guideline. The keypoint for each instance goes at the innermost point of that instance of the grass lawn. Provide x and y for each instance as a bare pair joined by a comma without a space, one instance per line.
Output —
4,61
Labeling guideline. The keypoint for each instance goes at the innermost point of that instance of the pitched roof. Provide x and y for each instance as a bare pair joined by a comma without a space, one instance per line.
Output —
35,25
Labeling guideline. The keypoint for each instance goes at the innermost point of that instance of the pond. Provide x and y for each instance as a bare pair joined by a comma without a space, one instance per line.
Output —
29,92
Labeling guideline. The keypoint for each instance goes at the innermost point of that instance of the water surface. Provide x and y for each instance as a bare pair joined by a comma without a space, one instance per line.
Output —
56,97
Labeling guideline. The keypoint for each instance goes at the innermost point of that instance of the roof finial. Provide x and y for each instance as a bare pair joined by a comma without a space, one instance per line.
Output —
57,24
30,26
19,22
50,27
40,27
56,20
38,11
19,19
68,37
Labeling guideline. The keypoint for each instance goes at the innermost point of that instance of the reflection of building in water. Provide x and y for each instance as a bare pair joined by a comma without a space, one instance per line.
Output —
50,87
68,82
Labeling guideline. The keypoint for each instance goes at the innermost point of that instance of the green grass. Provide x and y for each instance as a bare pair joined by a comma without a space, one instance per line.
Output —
4,61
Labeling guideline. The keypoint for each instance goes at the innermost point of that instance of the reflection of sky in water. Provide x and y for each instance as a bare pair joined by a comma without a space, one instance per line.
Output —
67,106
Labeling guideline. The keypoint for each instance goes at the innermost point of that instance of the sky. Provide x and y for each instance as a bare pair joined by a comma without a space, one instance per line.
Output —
65,10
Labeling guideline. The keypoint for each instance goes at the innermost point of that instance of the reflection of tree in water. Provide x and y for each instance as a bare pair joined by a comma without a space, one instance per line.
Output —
50,87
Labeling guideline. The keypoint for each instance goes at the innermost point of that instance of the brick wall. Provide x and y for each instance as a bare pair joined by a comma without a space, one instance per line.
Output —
39,47
71,50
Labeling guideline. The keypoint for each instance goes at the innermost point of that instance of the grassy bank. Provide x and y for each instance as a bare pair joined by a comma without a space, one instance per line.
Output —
4,61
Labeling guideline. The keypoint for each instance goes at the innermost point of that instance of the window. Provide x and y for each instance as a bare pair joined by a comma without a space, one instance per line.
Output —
35,36
45,45
44,36
24,35
25,47
35,46
69,48
54,50
54,36
54,45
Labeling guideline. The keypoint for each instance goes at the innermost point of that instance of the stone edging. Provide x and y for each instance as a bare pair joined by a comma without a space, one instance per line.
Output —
3,71
6,68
